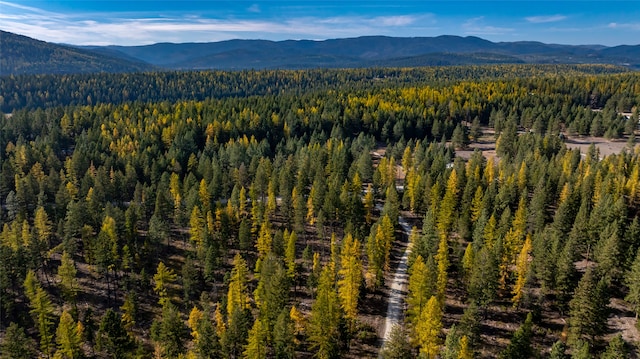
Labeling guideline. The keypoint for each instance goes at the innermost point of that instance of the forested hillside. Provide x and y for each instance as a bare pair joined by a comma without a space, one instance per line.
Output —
24,55
255,214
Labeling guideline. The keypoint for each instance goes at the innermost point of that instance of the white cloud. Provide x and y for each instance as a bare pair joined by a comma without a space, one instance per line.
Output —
143,28
476,26
628,26
395,20
254,8
545,19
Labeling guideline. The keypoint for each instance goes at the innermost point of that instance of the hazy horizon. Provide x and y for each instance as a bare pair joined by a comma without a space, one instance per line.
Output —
150,22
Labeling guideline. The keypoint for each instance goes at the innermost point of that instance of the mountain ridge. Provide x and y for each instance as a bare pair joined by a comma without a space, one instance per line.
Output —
20,54
240,54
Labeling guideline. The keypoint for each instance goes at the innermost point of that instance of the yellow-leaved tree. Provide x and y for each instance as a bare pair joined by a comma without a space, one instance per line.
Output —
522,271
237,298
427,332
421,288
163,277
350,275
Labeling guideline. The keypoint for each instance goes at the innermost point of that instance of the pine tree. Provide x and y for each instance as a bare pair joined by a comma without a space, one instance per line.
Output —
469,325
558,350
451,347
616,349
323,327
581,350
588,309
169,331
272,291
632,280
283,336
397,347
427,331
483,284
234,339
350,275
16,344
113,339
520,345
208,344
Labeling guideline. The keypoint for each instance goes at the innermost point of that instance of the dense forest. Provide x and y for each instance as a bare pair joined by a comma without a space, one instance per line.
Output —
256,214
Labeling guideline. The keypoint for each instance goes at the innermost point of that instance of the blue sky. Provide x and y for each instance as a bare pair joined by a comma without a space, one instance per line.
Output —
89,22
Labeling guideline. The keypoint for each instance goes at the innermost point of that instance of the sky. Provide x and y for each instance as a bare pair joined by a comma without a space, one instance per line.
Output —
135,22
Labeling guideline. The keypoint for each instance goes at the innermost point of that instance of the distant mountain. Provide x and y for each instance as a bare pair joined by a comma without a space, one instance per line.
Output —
371,51
23,55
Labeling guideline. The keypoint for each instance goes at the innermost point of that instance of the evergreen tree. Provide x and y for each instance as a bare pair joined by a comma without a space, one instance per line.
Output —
113,338
520,345
588,309
169,331
483,285
451,344
581,350
234,337
397,347
632,280
558,350
460,138
616,349
16,344
469,325
272,292
283,336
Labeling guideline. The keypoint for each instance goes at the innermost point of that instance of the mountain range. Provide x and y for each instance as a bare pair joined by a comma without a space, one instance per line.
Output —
20,54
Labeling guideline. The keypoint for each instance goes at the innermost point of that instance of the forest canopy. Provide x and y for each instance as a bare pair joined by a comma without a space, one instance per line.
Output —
256,213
